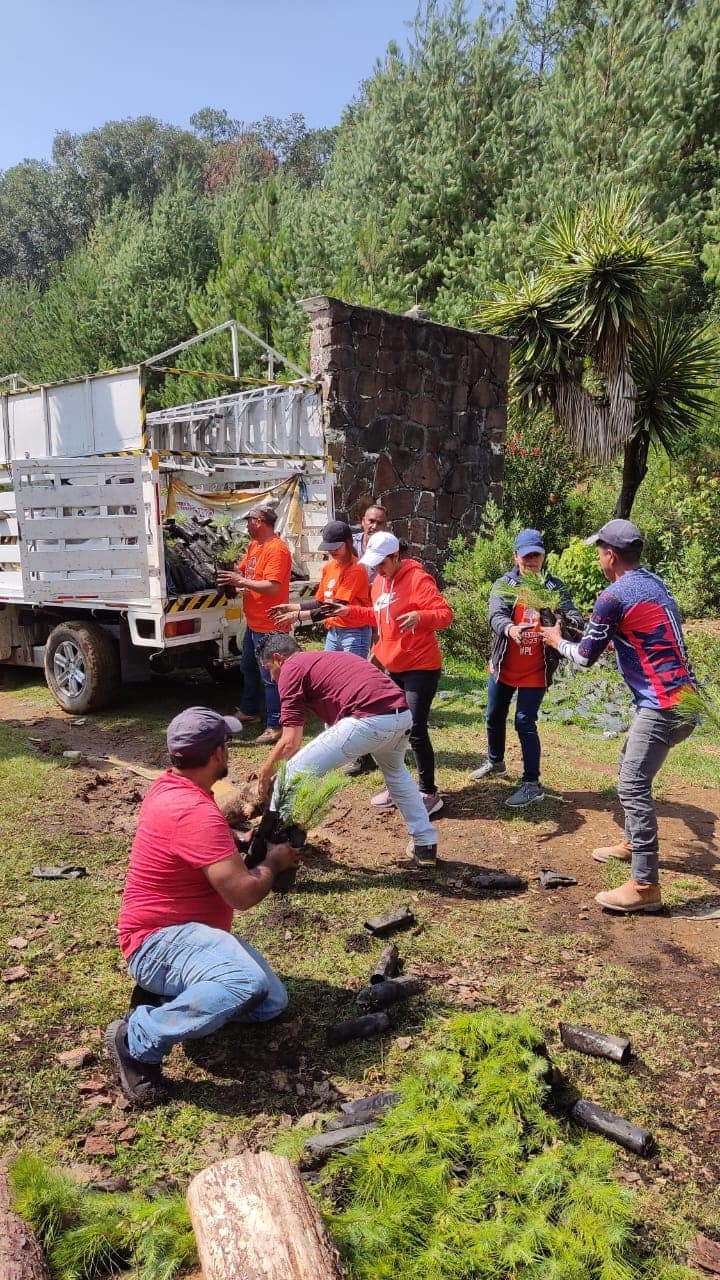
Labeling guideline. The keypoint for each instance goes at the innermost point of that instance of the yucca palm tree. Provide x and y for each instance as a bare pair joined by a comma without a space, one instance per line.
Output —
589,341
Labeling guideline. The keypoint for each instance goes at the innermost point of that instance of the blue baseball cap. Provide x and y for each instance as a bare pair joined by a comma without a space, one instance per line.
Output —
528,541
199,730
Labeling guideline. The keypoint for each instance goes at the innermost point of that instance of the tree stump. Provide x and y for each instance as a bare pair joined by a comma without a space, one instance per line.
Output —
21,1257
253,1220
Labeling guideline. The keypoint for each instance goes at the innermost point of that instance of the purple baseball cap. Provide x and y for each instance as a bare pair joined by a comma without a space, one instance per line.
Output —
198,731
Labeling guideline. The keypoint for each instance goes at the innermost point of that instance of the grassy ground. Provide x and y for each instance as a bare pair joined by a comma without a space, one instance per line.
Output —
246,1086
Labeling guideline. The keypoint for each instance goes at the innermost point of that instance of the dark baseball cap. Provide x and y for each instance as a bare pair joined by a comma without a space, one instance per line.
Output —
197,731
335,534
528,541
618,534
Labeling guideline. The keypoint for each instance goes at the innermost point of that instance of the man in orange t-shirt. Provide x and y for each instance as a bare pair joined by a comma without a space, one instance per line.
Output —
263,576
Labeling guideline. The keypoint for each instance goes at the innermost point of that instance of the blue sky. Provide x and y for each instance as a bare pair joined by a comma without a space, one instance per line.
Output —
73,64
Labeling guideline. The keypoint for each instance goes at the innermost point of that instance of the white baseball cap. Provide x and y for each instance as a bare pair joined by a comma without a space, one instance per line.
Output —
379,546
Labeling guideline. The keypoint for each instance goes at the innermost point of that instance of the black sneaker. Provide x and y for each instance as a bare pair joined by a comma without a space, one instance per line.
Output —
365,764
141,1082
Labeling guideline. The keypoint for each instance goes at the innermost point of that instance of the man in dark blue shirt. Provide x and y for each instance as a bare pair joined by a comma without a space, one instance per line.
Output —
639,616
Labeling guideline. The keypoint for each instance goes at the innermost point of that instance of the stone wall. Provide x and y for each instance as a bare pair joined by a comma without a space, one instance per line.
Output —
416,417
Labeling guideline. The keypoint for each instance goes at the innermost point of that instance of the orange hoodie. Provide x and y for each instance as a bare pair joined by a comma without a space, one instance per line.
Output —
412,588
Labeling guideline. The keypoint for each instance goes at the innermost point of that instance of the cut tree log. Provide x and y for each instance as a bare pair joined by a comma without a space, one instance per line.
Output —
21,1257
253,1220
369,1024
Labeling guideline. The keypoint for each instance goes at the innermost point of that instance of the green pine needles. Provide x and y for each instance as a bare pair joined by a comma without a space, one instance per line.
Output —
89,1234
305,798
470,1178
530,591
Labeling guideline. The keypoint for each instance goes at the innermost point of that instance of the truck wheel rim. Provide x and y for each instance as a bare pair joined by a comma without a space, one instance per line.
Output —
69,668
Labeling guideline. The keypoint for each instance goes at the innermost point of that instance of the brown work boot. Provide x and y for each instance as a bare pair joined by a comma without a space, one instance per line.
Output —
268,737
630,897
245,718
621,851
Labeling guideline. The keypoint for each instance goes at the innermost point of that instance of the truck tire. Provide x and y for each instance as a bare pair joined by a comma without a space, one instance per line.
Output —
82,666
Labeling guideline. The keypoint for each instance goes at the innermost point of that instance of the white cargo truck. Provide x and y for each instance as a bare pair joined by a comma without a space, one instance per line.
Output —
86,478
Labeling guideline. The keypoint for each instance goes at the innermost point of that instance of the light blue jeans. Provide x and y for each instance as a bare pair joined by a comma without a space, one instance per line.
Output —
208,977
386,739
349,640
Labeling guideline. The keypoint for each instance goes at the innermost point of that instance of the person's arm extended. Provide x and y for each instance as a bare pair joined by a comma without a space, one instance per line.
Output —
285,748
243,887
605,620
228,577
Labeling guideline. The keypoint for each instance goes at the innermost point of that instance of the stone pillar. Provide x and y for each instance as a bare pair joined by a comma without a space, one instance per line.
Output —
415,416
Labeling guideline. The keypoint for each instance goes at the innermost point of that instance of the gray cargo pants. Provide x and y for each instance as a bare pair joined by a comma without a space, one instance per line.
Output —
652,734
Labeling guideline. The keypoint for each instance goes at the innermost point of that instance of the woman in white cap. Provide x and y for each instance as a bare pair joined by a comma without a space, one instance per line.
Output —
407,610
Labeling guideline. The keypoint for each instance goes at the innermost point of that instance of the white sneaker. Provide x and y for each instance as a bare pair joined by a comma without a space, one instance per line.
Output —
490,769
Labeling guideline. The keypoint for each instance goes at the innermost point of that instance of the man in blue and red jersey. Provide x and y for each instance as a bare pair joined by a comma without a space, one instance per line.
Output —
639,616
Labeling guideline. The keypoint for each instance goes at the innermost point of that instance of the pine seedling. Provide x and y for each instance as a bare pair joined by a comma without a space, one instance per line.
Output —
305,798
47,1198
530,591
694,704
164,1237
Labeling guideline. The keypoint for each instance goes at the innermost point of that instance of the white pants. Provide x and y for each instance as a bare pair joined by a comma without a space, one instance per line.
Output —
385,738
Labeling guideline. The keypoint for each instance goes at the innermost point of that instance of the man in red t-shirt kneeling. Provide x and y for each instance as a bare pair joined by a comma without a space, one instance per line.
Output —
365,713
186,877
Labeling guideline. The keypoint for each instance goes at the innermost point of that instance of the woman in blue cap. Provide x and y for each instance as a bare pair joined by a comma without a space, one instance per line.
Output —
521,663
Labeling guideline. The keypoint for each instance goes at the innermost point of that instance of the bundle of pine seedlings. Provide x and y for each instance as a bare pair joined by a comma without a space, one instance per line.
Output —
470,1177
87,1234
531,592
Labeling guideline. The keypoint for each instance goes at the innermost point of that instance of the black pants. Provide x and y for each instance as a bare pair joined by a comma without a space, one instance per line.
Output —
419,688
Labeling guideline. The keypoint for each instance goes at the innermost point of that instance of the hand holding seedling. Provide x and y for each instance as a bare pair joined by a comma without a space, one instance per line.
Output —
229,578
552,635
281,857
516,632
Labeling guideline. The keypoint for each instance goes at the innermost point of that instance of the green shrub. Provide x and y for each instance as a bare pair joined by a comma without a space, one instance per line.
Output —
470,572
579,568
542,472
88,1234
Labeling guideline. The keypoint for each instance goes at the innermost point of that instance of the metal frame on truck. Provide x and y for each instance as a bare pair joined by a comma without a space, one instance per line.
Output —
86,479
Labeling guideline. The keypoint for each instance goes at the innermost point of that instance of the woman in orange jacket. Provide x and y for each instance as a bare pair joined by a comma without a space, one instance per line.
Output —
407,610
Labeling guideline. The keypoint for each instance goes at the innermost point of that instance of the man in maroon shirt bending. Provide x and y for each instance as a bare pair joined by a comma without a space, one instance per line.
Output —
366,714
186,878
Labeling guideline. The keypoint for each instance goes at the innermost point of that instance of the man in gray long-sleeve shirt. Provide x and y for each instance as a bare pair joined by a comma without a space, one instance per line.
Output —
639,615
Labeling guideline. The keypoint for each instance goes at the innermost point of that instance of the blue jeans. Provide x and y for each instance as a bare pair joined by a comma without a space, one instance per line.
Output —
349,640
254,678
208,977
385,738
526,713
652,735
